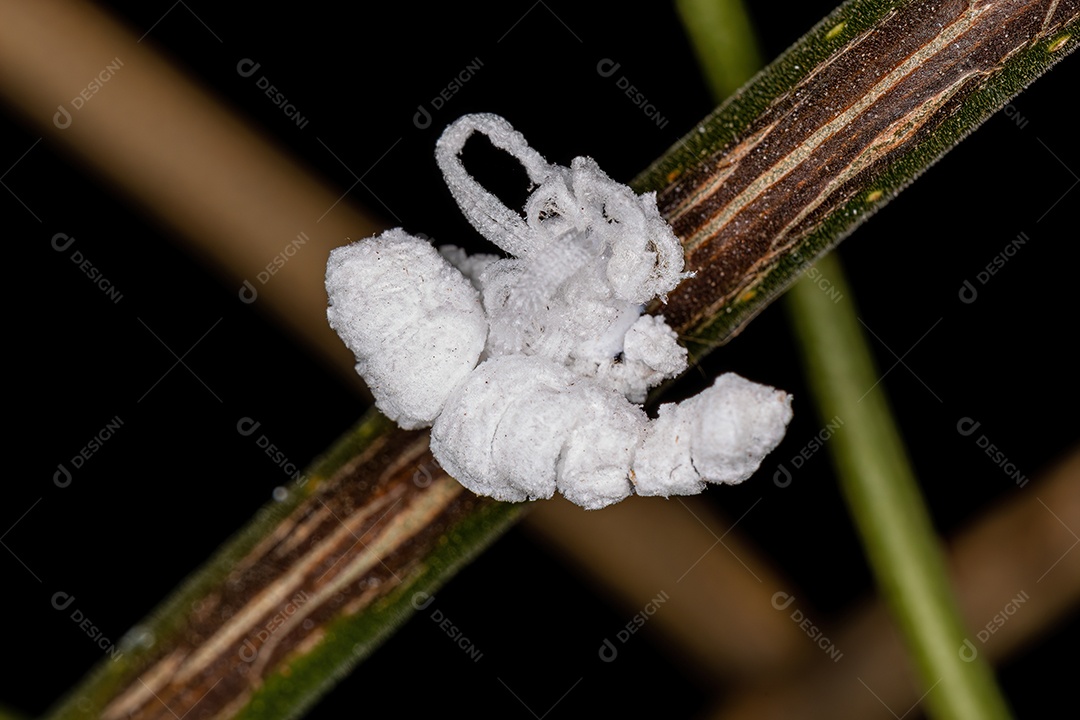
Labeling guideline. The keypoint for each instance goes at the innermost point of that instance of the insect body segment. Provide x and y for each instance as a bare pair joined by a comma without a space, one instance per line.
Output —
414,323
528,367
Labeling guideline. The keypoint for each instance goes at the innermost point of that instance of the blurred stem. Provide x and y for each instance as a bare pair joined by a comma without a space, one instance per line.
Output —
1010,546
192,650
7,714
875,474
884,498
724,42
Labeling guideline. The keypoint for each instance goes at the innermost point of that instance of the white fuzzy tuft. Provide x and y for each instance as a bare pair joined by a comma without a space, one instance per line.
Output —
529,366
414,323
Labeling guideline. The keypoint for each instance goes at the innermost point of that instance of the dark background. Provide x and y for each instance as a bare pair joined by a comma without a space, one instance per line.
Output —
177,479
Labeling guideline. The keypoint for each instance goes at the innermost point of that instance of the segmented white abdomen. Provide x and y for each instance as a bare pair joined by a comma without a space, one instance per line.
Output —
521,427
413,321
567,352
720,435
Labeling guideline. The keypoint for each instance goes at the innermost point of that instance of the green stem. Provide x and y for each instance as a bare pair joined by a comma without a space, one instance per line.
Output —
8,714
305,549
724,42
875,474
884,498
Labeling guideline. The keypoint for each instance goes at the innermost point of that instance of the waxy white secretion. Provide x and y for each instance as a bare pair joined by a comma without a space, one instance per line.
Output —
530,368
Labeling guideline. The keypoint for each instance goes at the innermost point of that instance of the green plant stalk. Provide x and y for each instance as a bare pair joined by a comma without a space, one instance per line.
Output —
377,461
423,527
878,482
829,133
886,504
6,714
724,42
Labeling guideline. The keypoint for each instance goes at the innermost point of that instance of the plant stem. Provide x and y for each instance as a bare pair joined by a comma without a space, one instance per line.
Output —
377,466
884,498
828,133
724,42
875,474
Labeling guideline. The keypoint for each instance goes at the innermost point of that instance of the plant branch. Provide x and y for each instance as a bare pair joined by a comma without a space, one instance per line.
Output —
1012,549
880,486
828,133
886,504
375,466
724,41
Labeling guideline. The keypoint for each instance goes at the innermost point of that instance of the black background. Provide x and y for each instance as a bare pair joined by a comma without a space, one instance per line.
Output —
177,479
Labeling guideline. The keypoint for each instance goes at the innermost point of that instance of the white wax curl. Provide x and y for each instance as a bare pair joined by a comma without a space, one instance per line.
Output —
414,323
528,367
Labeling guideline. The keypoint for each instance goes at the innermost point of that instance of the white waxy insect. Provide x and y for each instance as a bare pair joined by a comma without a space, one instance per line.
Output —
529,368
